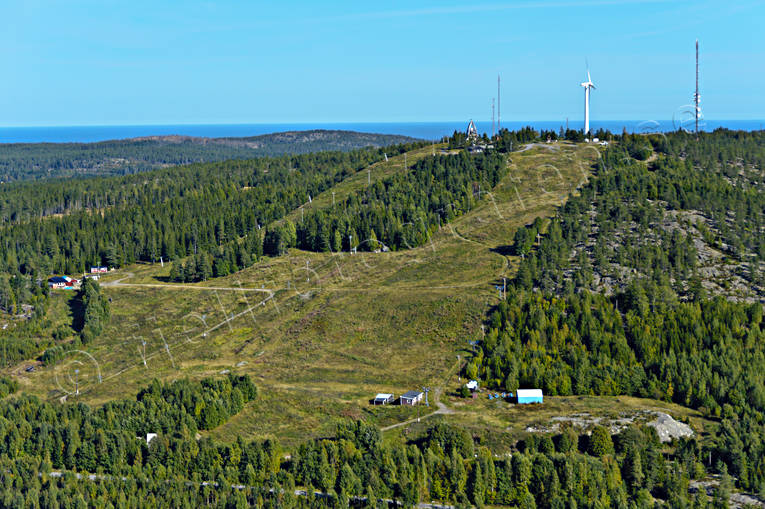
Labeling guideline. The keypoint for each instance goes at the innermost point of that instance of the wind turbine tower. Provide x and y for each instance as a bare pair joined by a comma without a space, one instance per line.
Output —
588,85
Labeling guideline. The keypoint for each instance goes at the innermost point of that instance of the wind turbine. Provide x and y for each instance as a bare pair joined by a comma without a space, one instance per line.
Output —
588,85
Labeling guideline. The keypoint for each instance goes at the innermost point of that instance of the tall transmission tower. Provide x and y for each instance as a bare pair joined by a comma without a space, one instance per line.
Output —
492,118
696,97
498,103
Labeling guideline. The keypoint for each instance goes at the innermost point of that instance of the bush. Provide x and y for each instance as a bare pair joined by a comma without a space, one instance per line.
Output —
7,386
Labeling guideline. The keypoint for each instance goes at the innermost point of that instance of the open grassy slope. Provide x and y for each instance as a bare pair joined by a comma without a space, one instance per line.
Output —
323,332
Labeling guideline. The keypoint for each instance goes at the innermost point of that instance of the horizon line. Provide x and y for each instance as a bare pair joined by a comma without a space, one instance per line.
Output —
369,122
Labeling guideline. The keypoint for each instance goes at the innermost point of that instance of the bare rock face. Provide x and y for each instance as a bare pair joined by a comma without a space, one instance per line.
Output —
669,429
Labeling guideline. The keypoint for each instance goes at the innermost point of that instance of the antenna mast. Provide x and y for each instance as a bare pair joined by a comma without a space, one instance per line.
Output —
696,95
492,118
498,103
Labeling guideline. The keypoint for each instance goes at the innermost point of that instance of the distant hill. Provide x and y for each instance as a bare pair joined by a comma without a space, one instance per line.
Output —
29,161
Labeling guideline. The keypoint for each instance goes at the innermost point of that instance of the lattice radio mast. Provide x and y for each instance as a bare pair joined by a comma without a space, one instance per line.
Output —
492,118
498,103
696,98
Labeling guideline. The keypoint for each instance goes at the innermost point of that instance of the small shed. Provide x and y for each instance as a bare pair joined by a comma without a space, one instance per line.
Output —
527,396
472,385
411,397
99,270
150,437
383,399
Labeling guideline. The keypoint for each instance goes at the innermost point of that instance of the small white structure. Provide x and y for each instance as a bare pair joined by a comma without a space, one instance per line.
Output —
472,385
383,399
471,133
527,396
150,437
411,397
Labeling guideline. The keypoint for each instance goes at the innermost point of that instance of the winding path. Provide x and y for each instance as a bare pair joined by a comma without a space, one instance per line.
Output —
442,408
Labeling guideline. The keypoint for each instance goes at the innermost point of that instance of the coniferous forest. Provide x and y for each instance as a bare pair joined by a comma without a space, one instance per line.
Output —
646,282
44,446
37,161
611,299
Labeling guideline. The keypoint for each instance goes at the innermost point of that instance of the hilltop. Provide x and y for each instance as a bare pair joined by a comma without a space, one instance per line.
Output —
27,161
328,316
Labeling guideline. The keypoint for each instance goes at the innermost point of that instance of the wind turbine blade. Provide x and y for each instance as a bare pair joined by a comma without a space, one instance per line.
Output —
588,76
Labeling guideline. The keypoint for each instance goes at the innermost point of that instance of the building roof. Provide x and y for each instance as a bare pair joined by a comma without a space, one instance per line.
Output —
529,393
59,279
473,384
383,395
411,394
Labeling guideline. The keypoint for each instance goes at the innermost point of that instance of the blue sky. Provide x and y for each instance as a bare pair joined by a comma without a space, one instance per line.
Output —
164,62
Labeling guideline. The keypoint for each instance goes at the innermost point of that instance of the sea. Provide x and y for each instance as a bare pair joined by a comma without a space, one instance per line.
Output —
421,130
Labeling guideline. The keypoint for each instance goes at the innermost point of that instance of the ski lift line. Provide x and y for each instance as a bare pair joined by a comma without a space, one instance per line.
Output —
181,341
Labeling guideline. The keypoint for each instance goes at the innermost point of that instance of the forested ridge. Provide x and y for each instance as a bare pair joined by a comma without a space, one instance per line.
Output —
397,212
610,297
693,219
214,214
35,161
167,213
402,211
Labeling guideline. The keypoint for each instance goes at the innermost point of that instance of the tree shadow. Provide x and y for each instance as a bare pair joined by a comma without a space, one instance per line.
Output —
77,308
503,250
